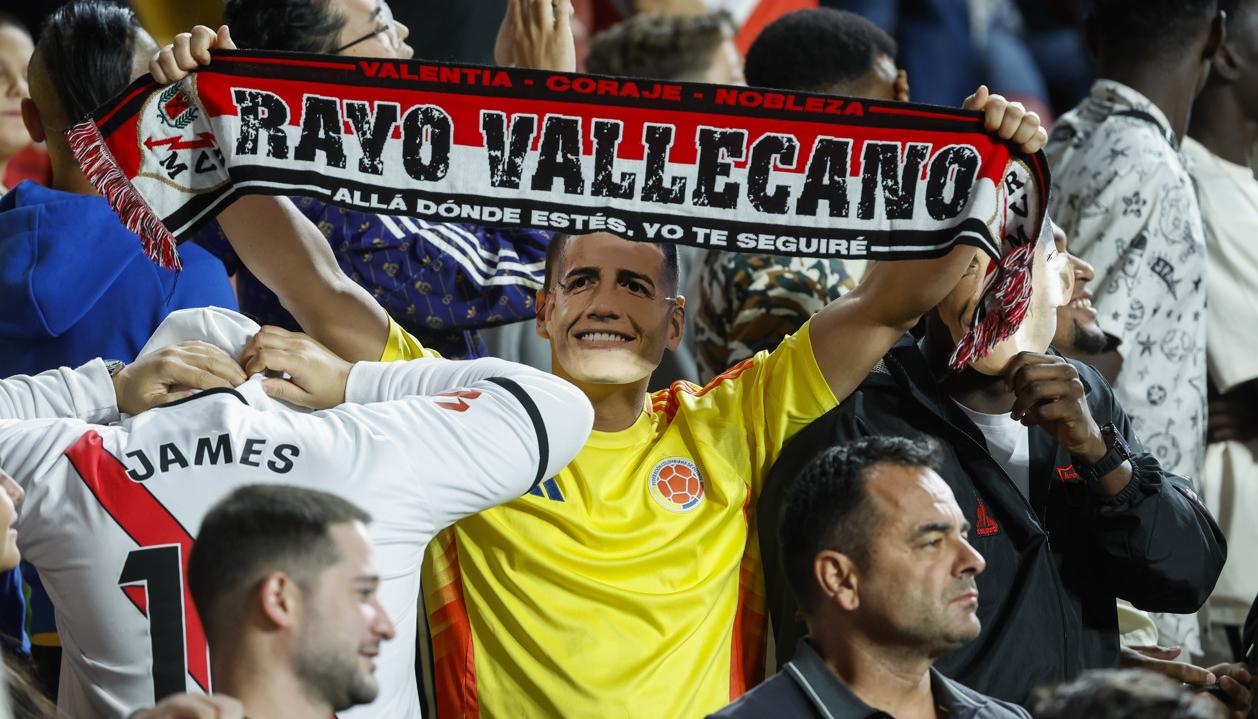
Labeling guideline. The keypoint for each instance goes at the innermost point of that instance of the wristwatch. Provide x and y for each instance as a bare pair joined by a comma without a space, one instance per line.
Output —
1119,452
114,366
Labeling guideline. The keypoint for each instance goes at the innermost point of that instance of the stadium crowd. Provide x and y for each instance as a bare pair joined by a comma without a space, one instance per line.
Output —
373,465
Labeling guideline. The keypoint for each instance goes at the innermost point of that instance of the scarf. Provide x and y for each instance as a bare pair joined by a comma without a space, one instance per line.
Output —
729,168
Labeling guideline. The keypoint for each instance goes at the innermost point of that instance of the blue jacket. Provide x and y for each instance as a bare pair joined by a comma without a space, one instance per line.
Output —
75,284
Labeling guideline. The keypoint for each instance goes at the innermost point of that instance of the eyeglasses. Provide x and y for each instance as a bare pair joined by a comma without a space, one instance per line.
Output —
387,26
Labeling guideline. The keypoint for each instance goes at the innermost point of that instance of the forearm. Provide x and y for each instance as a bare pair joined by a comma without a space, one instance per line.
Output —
856,330
84,393
1162,549
289,255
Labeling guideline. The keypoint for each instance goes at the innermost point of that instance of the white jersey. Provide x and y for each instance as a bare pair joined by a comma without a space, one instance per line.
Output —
111,511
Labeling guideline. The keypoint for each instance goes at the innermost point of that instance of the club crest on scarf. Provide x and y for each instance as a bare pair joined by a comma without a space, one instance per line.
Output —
740,169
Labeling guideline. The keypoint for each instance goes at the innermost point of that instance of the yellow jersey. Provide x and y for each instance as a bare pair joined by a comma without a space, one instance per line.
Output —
630,584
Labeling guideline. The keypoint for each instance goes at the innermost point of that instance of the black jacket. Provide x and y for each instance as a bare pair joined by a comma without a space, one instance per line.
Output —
1055,564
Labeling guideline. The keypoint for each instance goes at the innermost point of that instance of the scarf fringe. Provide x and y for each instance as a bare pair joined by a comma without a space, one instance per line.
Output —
1011,294
102,170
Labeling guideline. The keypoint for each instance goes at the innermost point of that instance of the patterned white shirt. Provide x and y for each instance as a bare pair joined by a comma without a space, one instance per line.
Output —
1122,192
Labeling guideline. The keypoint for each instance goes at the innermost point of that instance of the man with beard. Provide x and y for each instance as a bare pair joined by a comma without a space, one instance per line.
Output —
877,554
285,581
1068,509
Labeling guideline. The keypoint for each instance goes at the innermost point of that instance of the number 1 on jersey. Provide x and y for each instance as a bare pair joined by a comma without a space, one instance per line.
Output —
153,575
152,578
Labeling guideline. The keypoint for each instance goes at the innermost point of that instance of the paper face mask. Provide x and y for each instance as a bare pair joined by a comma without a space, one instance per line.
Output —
1051,286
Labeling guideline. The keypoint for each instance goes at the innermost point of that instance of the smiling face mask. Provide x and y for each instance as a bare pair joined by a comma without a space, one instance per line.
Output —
1051,286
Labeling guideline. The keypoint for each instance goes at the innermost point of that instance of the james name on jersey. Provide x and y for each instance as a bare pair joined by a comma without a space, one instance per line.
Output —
211,451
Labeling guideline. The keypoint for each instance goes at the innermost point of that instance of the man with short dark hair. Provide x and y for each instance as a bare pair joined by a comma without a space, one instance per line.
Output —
285,580
876,552
1068,508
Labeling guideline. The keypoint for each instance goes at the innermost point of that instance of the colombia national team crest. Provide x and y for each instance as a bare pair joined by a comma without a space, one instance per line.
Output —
675,483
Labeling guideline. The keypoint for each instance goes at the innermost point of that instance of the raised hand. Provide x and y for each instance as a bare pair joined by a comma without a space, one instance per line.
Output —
188,51
1008,120
537,34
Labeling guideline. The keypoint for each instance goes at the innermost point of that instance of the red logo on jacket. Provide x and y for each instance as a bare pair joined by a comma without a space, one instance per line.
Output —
986,525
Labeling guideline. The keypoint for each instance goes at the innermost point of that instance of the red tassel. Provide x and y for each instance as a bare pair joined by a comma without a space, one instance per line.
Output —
1012,295
101,169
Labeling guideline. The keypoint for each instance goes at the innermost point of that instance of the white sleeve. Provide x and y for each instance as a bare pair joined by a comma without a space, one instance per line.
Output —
492,431
85,393
29,449
383,381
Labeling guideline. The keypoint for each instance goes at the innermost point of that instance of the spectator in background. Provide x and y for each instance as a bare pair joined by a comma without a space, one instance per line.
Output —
1223,132
440,281
1053,33
76,283
748,303
1124,694
1068,515
950,46
1122,191
877,556
286,584
685,48
18,158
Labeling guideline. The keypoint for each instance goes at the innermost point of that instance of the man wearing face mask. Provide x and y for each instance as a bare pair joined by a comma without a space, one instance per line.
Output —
1067,508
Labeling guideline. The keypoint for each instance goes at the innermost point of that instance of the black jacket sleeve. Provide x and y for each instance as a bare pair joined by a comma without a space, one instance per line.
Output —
1160,549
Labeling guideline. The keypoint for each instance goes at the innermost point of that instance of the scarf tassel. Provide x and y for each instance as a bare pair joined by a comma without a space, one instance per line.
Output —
102,170
1008,300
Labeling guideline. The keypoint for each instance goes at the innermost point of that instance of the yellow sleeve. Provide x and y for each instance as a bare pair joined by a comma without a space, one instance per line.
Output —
774,395
402,345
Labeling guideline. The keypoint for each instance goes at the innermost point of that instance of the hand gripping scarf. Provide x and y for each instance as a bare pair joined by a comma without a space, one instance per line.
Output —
725,167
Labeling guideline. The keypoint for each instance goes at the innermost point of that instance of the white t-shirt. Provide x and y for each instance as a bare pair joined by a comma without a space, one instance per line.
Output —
1229,204
1008,441
110,511
1228,194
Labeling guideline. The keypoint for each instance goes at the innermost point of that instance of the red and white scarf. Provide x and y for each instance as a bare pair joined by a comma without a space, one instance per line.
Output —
724,167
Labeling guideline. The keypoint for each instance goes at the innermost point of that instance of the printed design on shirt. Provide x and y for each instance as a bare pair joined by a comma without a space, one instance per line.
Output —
1178,345
986,526
1165,447
458,403
676,484
551,489
1135,315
